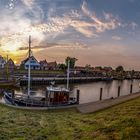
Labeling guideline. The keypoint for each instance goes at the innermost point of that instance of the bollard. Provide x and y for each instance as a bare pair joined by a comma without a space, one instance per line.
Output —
78,95
101,92
119,89
131,88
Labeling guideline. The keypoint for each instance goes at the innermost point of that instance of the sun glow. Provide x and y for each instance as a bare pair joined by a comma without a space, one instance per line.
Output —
15,61
11,46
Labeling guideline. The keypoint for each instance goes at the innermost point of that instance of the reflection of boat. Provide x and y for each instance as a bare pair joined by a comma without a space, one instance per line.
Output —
108,79
53,96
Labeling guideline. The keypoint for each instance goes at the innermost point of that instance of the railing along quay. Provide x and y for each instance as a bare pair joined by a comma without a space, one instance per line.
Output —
60,80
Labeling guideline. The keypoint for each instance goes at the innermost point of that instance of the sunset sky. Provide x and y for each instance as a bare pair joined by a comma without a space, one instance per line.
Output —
96,32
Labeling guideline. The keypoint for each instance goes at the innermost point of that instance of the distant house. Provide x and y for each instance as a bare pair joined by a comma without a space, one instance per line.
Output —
98,69
78,69
44,65
17,67
34,64
2,62
107,69
10,64
52,65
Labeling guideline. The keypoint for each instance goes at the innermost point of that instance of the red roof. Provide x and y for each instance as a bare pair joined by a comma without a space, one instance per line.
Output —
52,64
43,62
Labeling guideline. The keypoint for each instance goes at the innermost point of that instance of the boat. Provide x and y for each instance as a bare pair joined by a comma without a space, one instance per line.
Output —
55,96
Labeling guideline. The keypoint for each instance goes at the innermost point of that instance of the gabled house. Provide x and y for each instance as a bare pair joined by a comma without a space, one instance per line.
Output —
43,65
10,64
34,64
2,62
107,69
52,65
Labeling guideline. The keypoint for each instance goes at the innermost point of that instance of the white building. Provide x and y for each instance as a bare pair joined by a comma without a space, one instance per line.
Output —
2,62
34,64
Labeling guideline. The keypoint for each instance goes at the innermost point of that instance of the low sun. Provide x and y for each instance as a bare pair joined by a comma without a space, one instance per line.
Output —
15,61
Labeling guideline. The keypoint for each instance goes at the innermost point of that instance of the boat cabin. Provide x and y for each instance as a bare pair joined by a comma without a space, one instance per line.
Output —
57,96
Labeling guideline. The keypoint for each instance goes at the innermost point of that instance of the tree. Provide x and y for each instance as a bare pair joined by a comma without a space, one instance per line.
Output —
88,67
72,61
119,69
62,66
22,66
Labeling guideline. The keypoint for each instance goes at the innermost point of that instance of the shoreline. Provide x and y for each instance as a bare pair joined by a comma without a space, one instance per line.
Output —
85,108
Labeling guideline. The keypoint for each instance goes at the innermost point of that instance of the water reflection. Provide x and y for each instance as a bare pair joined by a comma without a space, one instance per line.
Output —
89,92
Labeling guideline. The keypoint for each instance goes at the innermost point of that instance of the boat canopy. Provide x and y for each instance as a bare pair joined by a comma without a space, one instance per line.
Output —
57,89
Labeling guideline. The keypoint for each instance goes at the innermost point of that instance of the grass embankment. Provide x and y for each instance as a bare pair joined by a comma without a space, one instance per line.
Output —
119,122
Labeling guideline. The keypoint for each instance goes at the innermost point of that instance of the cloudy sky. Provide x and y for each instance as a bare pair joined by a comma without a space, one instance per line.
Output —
97,32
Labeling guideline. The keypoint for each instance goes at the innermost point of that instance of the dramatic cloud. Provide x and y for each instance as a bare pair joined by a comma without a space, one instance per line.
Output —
74,46
133,25
29,3
116,38
14,30
67,27
109,22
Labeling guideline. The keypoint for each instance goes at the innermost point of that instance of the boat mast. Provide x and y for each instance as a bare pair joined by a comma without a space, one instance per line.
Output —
29,67
68,74
7,67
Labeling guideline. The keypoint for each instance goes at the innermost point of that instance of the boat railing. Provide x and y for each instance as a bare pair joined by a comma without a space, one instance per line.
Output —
31,102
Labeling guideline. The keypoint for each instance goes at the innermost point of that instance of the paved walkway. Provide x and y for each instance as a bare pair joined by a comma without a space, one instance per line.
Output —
99,105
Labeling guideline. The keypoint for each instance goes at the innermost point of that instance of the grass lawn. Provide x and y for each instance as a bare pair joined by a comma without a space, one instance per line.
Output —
119,122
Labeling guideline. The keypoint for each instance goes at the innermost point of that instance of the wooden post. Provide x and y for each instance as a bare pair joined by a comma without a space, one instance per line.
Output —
13,96
101,92
131,88
78,95
119,89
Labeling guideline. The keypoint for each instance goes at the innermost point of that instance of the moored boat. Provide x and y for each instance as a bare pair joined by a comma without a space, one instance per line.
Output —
54,97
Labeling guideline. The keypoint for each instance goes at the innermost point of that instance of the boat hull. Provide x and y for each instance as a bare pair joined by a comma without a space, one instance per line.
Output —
30,103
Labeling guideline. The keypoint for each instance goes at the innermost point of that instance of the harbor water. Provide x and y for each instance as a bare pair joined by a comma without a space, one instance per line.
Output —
89,92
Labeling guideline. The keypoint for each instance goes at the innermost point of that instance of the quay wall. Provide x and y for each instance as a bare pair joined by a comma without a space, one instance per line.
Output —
46,81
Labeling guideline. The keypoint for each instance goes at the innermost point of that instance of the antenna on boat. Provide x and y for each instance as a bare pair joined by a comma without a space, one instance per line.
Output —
68,74
29,66
7,67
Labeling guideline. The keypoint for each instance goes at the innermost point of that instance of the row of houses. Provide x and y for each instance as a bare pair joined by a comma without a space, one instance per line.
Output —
6,64
44,65
34,64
